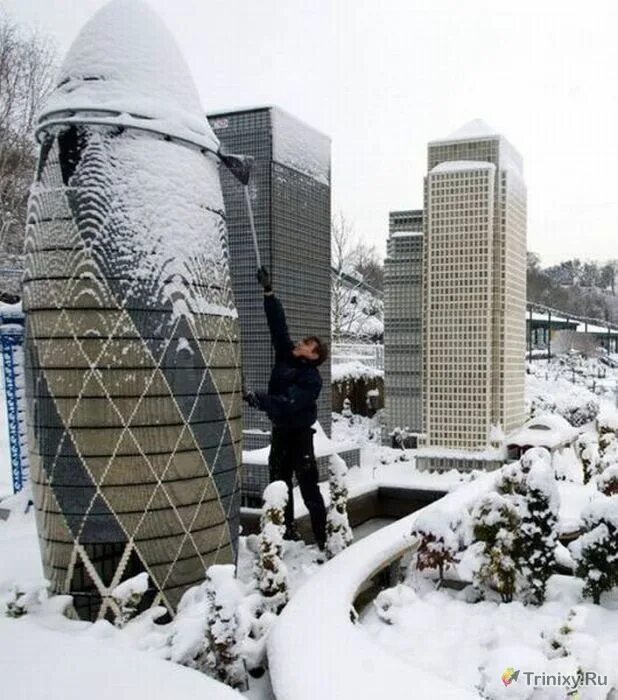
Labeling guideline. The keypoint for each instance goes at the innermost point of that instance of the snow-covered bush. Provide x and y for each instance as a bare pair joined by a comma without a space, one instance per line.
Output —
539,530
438,543
271,572
558,643
21,600
399,437
574,403
388,602
346,411
222,659
607,427
607,420
219,623
596,550
607,481
338,531
254,623
587,449
582,414
495,522
127,596
530,487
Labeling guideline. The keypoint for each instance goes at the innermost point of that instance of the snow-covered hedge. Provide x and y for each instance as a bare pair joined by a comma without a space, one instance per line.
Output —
596,550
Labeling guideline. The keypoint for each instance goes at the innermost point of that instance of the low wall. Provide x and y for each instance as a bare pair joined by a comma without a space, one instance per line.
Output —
383,502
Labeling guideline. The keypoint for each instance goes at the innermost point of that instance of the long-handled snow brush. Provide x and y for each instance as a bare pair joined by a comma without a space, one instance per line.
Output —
240,167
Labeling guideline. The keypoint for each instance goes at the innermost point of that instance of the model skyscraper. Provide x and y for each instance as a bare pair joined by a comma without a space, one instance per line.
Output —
403,268
290,193
474,288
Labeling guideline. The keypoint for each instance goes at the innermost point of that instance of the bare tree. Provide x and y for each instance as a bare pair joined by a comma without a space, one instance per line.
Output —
356,312
27,68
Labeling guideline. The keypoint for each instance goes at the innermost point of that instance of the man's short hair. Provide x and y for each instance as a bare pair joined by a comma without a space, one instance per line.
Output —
320,347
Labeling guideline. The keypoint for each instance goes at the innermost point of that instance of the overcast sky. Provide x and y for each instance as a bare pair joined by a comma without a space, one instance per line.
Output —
382,78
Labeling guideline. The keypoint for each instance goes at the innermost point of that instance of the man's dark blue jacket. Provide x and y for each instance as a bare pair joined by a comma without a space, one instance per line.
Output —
295,383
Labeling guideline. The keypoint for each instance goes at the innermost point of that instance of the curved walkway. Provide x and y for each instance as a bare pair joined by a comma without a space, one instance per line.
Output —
316,651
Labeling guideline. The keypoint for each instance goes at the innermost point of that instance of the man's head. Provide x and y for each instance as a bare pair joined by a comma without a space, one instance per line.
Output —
311,348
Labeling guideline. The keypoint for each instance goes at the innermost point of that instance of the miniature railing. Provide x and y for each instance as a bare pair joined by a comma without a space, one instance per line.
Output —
316,648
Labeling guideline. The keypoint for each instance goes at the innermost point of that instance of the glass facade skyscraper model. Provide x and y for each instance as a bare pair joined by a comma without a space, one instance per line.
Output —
474,288
132,350
403,308
290,194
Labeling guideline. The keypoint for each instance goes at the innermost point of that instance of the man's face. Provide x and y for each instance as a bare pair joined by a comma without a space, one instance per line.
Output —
306,349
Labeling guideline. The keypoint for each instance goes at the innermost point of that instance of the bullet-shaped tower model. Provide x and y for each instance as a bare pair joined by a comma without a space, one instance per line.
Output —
133,368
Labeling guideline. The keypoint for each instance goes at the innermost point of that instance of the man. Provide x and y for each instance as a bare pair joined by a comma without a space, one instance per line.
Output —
290,403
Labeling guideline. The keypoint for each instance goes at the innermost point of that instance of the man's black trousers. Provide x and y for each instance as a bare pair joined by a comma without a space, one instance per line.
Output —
291,454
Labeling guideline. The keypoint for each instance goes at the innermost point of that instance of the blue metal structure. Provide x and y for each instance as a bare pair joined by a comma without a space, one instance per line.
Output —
11,343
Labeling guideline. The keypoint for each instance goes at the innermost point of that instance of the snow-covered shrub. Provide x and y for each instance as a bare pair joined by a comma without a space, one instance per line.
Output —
222,659
188,636
346,411
539,530
587,449
254,623
495,522
582,414
127,596
607,481
530,487
541,404
577,407
438,543
338,531
271,572
607,420
21,600
596,550
388,602
399,437
607,427
558,643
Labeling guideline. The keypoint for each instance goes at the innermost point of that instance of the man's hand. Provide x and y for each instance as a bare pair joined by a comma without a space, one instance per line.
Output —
264,279
251,398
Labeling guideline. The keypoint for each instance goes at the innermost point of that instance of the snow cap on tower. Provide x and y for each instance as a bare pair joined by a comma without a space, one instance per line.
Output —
125,68
474,129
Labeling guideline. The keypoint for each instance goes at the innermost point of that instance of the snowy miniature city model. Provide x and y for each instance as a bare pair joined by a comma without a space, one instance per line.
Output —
133,376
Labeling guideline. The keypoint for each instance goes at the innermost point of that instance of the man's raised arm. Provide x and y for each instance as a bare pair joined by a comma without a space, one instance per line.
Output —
275,316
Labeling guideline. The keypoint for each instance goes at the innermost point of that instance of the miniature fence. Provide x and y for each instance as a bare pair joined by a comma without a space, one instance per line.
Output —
11,346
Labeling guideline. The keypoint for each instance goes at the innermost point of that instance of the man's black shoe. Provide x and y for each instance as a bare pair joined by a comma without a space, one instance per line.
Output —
292,534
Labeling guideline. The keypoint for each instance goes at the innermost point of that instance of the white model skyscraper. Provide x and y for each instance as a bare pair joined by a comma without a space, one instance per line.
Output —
474,288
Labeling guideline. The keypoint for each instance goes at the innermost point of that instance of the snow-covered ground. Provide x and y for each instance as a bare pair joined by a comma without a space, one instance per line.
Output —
482,640
486,636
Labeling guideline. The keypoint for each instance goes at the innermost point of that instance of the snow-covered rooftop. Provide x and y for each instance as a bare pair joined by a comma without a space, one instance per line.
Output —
449,166
125,61
549,430
474,129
